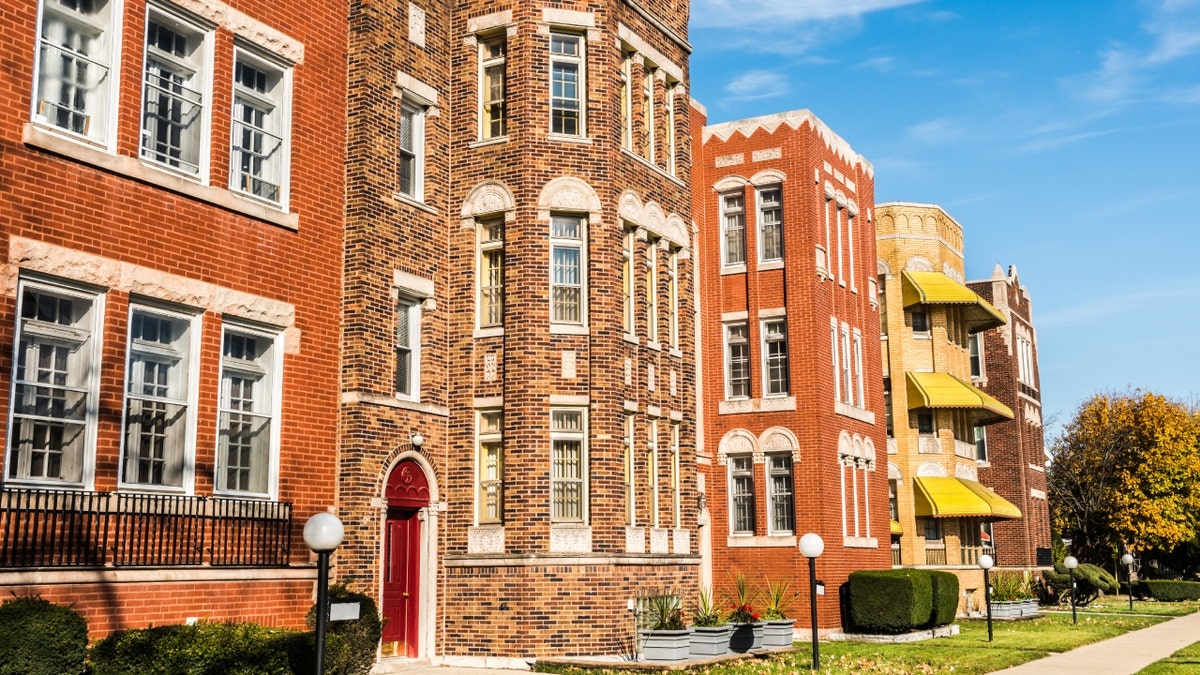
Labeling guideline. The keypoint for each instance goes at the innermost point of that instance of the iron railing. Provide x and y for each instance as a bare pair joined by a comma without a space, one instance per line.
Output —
71,528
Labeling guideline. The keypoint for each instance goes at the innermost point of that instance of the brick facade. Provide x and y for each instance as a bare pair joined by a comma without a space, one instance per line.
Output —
110,227
823,276
1016,450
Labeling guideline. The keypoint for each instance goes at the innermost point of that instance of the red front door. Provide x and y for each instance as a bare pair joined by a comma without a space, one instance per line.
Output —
401,580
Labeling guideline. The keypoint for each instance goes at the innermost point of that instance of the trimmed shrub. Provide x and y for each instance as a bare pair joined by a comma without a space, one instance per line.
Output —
945,598
350,645
38,637
1091,582
890,601
202,649
1172,591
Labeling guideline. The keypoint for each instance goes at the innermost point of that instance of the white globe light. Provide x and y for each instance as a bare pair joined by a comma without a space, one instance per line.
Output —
323,532
1070,562
1127,559
812,545
986,562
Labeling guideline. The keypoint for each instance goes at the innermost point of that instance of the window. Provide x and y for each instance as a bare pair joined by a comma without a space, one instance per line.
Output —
258,156
491,273
652,291
733,219
248,410
837,368
676,478
673,298
855,469
931,528
920,321
672,143
630,473
158,405
779,492
894,499
925,422
173,100
627,101
856,341
847,371
411,167
841,261
1025,359
75,57
652,468
775,359
883,315
568,457
566,84
648,113
981,444
737,361
55,381
770,225
887,406
408,348
493,117
976,360
741,490
566,269
628,292
491,466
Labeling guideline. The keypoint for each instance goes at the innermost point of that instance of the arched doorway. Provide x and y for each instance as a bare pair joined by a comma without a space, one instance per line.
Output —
407,493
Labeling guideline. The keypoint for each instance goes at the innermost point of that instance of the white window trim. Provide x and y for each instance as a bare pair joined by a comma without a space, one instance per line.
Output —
761,222
482,247
628,281
582,437
484,64
652,290
192,393
93,357
721,208
418,111
728,358
652,470
673,298
772,494
276,375
766,357
582,98
649,115
672,141
837,366
482,437
414,343
676,476
860,386
630,441
284,107
732,506
627,101
582,245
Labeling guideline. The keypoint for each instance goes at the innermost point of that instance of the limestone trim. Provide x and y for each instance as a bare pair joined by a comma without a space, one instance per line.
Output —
552,560
931,470
794,120
140,576
246,27
730,184
657,59
487,199
652,217
768,177
894,472
567,194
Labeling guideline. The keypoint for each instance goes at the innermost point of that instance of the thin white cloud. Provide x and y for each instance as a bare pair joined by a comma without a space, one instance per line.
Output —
1100,308
754,85
780,13
883,64
1051,142
938,131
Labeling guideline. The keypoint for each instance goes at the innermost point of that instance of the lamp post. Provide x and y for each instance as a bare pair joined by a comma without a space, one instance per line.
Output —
986,562
1071,563
1127,561
811,547
323,533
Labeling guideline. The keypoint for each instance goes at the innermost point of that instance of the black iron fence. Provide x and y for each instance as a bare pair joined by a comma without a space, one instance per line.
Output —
71,528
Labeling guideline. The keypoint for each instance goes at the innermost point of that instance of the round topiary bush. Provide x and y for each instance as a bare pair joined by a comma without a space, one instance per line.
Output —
38,637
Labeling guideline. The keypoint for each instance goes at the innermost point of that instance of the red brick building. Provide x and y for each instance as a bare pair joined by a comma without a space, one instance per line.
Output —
518,384
170,221
792,398
1012,454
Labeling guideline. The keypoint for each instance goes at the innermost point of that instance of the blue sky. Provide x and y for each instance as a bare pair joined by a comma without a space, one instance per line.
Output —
1064,136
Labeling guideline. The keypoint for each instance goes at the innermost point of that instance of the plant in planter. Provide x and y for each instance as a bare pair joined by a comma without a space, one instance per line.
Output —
777,601
1012,595
710,630
666,638
747,624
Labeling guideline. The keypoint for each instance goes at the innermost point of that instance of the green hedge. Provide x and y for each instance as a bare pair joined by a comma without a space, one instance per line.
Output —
890,601
38,637
1167,590
357,640
1090,582
203,649
945,598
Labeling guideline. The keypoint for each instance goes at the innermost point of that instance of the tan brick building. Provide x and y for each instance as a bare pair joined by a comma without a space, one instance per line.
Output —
792,402
170,221
518,400
1012,454
941,513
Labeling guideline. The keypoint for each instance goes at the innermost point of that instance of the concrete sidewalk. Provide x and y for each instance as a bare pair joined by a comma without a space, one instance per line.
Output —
1123,655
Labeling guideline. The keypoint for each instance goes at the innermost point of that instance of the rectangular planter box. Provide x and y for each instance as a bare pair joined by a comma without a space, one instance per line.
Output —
1013,609
779,633
746,637
710,640
665,645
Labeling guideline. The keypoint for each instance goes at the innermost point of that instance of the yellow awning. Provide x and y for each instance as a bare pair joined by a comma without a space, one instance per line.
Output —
897,528
944,497
943,390
935,288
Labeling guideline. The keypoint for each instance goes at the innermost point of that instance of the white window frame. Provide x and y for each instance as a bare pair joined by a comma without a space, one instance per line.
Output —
93,118
82,337
837,367
414,112
672,141
847,368
561,242
628,283
561,105
975,355
730,342
773,333
652,291
626,101
775,495
981,449
764,209
859,384
652,481
198,86
673,298
741,473
738,214
490,62
411,306
561,475
648,113
841,269
269,368
489,290
630,482
275,104
489,471
140,353
676,476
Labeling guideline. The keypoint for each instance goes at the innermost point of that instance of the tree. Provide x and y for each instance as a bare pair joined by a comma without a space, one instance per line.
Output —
1126,472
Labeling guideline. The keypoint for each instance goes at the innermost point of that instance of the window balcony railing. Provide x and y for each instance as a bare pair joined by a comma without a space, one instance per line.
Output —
69,528
970,554
965,450
935,554
929,445
896,561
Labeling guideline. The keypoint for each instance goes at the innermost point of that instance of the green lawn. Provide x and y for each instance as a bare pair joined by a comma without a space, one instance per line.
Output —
965,654
1119,604
1186,660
